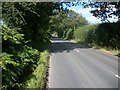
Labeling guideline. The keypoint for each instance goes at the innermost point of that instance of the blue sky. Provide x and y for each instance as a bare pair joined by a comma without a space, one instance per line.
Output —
85,12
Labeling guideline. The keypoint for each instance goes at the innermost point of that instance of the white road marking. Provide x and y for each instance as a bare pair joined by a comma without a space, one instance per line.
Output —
109,71
117,76
77,50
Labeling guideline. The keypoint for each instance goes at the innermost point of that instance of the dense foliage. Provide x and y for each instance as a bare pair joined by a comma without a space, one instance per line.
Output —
32,19
27,29
105,10
25,34
17,58
38,77
65,23
104,35
102,10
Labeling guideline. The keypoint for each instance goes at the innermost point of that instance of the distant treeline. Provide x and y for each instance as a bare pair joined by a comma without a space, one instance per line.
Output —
71,25
106,34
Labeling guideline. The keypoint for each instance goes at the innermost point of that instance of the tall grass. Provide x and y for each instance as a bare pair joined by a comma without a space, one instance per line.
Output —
38,77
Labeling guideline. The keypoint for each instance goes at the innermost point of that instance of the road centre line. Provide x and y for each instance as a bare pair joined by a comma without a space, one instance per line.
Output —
117,76
77,50
109,71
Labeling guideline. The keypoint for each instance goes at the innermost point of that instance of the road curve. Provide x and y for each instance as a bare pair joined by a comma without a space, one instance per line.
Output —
76,66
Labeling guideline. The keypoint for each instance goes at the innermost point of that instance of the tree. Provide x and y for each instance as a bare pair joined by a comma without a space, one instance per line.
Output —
102,10
64,21
25,32
30,19
105,10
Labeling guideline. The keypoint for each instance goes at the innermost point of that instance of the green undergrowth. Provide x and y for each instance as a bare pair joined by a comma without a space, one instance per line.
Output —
106,49
109,50
105,36
21,63
38,77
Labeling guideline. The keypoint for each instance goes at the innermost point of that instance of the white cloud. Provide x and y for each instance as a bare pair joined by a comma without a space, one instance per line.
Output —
93,20
113,19
82,10
85,12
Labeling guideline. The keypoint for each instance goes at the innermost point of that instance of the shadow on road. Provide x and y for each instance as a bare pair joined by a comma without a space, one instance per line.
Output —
60,45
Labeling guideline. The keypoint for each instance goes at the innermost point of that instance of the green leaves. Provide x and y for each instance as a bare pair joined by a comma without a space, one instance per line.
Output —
16,65
7,74
64,21
92,34
20,56
12,35
25,31
6,59
32,18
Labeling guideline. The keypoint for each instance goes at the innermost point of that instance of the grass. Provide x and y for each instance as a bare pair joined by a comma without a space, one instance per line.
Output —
38,77
104,33
107,50
111,51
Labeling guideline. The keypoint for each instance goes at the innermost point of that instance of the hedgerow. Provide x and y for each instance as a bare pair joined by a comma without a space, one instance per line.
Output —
17,59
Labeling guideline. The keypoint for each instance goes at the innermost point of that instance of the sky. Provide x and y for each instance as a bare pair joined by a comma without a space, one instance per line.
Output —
85,12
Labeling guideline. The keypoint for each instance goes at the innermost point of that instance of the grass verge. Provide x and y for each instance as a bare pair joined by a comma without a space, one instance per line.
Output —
105,49
38,77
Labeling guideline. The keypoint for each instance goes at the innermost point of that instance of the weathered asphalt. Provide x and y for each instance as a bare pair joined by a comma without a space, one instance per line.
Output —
76,66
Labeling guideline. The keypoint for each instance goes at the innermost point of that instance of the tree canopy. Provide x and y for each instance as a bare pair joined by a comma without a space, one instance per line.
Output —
25,34
27,28
31,19
64,21
102,10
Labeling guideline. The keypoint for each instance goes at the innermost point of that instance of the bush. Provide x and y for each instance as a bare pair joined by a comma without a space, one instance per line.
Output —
38,77
81,33
17,59
105,35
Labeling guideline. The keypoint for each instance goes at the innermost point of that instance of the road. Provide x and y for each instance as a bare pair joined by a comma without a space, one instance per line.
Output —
76,66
